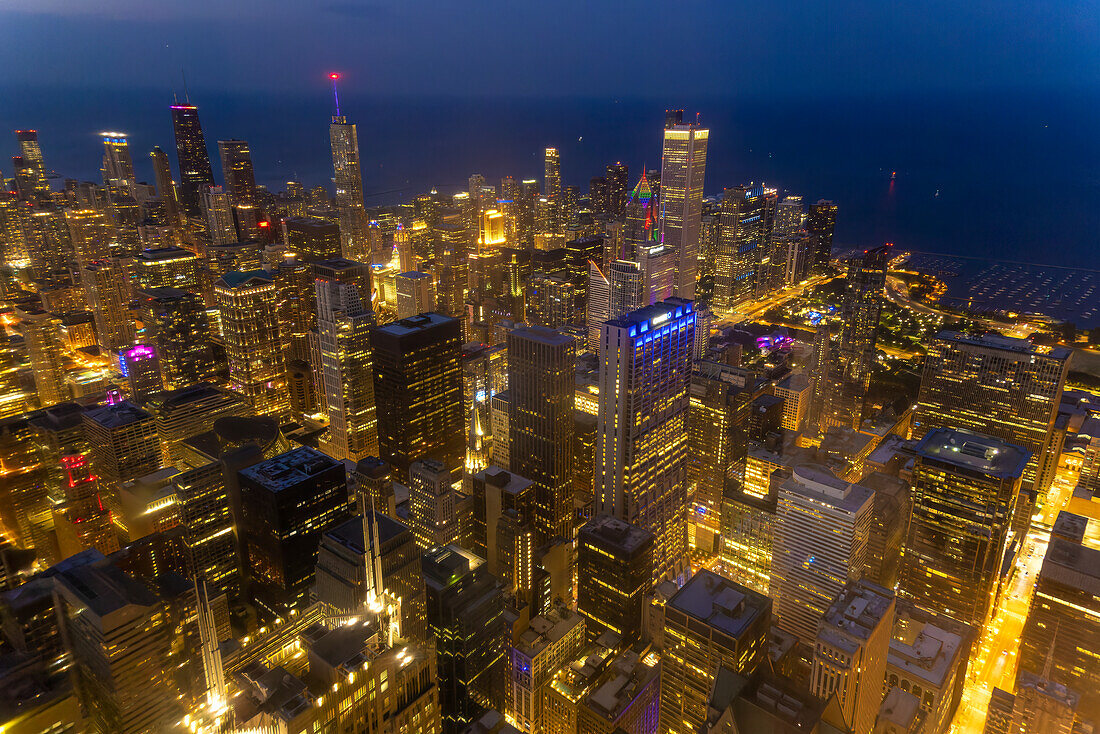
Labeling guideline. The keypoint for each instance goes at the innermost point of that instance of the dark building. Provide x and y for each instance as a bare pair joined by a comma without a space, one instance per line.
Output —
287,503
614,570
850,373
418,391
617,178
465,614
312,240
196,175
177,325
820,224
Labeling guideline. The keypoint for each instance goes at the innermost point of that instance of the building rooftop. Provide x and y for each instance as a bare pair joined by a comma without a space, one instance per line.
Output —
902,709
542,335
720,603
350,532
236,278
1072,564
165,253
1006,343
192,394
922,646
117,415
975,452
855,615
817,482
508,482
102,587
606,530
444,565
414,275
289,469
655,315
546,629
413,324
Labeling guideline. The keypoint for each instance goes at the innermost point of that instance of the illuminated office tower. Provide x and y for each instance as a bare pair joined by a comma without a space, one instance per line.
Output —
742,257
188,411
597,305
237,171
169,267
822,525
541,386
107,290
297,299
121,645
783,240
48,243
250,326
91,233
218,210
31,153
415,294
40,332
13,236
710,623
614,568
617,181
123,445
465,611
432,513
627,281
642,222
82,521
658,263
176,324
287,503
418,391
141,366
24,492
965,487
118,165
343,337
349,187
717,444
13,396
550,300
312,240
166,186
820,224
850,652
1062,632
526,200
641,452
597,194
999,386
196,176
854,356
683,165
552,189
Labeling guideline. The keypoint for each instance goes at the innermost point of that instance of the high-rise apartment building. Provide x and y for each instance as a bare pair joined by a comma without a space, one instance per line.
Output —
683,165
418,391
710,623
343,336
217,208
196,176
641,451
237,171
854,356
166,186
123,444
92,234
743,254
614,569
965,488
822,525
820,224
541,383
552,189
617,177
250,327
107,290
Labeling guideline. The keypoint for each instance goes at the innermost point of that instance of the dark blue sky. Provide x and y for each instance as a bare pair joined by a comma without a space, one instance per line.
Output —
665,49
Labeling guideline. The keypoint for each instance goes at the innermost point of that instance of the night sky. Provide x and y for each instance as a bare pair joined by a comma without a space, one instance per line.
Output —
568,47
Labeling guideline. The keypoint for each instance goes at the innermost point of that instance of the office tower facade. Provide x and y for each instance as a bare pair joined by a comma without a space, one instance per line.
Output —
312,240
193,158
41,335
91,233
169,267
287,503
177,325
683,165
617,177
1006,388
418,390
965,488
822,526
614,567
597,304
82,521
641,451
343,335
31,153
415,294
550,641
465,614
118,165
217,208
850,652
141,366
742,240
188,411
349,188
237,171
120,632
550,300
854,356
820,224
123,445
552,189
166,186
627,284
107,290
250,326
432,512
710,623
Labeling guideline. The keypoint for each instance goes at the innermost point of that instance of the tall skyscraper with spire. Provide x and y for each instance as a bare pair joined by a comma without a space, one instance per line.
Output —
196,175
349,183
683,164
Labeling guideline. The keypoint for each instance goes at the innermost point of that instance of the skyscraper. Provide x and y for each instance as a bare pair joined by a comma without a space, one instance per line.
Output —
683,165
40,333
598,304
641,450
237,171
141,365
743,256
614,574
415,294
418,391
166,186
552,188
850,373
617,180
343,336
196,175
349,186
176,324
92,234
965,488
432,514
218,210
123,445
250,327
312,240
105,285
820,224
31,153
541,383
118,165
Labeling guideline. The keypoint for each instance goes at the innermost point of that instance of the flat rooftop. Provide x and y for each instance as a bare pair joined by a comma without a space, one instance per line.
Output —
444,565
855,614
1006,343
413,324
720,603
606,530
974,451
289,469
117,415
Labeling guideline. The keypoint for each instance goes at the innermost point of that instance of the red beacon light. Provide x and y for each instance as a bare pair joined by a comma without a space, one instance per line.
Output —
334,76
263,225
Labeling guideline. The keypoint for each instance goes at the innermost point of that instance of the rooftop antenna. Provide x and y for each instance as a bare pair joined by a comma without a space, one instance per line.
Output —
186,95
335,95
